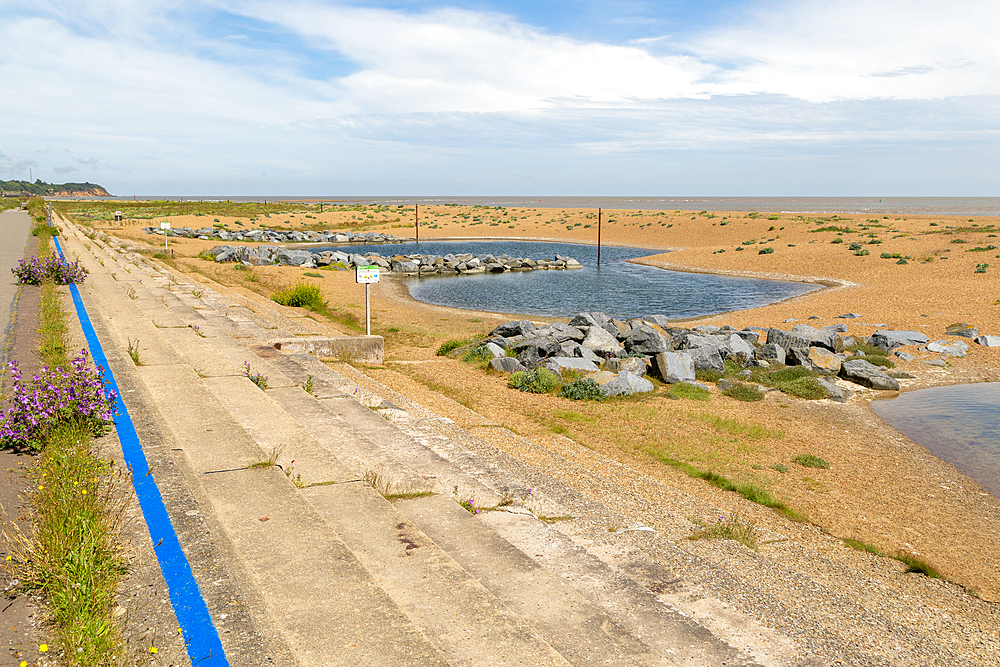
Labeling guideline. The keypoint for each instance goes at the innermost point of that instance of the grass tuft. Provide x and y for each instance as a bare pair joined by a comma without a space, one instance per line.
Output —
691,392
733,528
302,295
811,461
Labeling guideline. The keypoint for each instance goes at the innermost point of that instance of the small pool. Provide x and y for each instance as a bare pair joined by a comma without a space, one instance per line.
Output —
959,424
619,288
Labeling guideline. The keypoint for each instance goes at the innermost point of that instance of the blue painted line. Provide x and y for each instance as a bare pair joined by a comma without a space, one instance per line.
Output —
200,635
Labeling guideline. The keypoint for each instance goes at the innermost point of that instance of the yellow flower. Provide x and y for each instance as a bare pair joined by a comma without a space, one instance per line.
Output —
84,492
152,649
24,663
180,631
43,648
40,487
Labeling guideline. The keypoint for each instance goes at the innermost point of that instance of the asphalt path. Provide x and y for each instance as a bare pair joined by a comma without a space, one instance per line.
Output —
20,631
15,230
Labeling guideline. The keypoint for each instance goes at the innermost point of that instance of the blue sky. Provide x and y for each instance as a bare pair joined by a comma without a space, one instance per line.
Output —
473,97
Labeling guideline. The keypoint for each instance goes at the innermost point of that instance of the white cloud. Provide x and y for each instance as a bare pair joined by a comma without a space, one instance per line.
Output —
861,49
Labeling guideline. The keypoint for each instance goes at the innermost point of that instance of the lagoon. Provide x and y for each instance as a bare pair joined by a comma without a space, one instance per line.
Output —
619,288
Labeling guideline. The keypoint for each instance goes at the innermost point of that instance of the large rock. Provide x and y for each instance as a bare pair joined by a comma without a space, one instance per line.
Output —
707,359
674,367
511,329
589,320
647,341
948,349
506,364
861,372
659,320
771,353
738,349
889,340
534,351
834,391
602,342
626,384
963,330
405,266
988,341
819,337
635,365
817,359
786,340
692,341
561,332
294,257
575,364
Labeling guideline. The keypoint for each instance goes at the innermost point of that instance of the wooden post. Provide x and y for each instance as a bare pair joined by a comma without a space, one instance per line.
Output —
321,207
598,237
416,220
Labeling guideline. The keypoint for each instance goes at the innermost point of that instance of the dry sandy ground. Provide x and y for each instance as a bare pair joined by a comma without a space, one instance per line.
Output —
881,488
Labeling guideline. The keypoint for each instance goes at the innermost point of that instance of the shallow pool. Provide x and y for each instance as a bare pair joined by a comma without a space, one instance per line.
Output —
618,288
960,424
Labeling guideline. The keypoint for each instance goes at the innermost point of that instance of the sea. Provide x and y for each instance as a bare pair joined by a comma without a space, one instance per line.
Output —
971,206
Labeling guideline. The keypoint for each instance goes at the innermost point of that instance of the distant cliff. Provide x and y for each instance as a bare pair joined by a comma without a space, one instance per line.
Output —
25,188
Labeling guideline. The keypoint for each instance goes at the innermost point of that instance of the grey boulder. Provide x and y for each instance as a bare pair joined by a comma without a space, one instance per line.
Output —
511,329
674,367
647,341
574,363
600,341
861,372
506,364
626,384
888,340
988,341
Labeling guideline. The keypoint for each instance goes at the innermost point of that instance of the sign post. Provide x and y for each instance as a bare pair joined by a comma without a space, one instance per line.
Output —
165,226
367,275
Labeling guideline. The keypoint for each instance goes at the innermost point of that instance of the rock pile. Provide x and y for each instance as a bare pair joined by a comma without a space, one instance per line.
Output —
277,236
416,264
610,348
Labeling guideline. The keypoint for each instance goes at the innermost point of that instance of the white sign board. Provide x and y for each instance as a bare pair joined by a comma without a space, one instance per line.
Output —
164,225
367,274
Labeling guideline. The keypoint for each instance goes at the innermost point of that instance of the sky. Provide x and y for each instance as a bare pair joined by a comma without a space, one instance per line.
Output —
484,97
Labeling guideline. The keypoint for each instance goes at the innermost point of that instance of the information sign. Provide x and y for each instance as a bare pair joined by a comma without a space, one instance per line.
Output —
164,225
367,274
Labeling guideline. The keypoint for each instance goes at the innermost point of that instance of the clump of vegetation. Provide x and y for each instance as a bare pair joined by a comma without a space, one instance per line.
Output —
793,380
837,240
981,268
891,255
582,389
690,391
302,295
779,467
451,345
54,397
734,528
861,253
766,251
811,461
916,564
258,379
35,270
743,392
477,355
537,381
392,490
